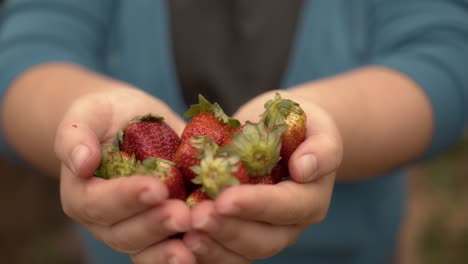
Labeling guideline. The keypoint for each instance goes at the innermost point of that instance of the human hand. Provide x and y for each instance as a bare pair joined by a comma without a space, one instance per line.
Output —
250,222
132,215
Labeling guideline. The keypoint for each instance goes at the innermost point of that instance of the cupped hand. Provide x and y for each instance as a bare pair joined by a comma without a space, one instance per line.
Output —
132,215
250,222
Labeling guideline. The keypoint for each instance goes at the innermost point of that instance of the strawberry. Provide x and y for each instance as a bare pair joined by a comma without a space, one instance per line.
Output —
267,179
208,120
196,197
284,111
115,163
278,173
149,136
216,173
189,153
241,173
167,172
257,147
233,133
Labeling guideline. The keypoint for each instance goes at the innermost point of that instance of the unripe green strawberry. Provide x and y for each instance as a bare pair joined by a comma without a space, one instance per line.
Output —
284,111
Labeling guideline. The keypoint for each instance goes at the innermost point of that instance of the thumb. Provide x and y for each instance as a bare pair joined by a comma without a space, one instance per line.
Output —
318,156
78,148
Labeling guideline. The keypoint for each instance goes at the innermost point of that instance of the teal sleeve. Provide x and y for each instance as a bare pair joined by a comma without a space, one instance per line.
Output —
39,31
428,41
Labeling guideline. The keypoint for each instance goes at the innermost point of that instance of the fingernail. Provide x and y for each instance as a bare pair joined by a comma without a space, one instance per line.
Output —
198,247
149,197
207,223
307,167
229,209
172,225
173,260
79,155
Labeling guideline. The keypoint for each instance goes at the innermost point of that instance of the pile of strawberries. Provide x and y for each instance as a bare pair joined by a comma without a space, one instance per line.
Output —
214,152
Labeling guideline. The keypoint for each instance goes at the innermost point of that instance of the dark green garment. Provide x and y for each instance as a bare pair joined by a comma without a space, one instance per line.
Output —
231,51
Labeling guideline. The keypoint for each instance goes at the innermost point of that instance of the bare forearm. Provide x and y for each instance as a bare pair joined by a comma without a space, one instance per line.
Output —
35,104
384,118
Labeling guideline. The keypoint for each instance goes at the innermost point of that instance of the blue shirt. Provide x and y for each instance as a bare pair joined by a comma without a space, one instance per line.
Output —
129,40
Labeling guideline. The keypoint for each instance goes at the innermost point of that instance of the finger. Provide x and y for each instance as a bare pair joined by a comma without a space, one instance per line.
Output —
284,203
105,202
209,251
143,230
77,146
170,251
319,155
253,240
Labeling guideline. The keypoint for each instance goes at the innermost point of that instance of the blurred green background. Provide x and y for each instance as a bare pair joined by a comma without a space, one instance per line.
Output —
436,226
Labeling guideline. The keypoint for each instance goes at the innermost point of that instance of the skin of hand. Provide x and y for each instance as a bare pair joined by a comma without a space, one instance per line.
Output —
397,117
250,222
395,124
132,215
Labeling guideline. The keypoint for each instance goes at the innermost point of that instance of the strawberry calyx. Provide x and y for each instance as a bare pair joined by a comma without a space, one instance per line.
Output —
257,147
203,144
205,106
277,111
215,173
196,197
115,163
155,167
147,118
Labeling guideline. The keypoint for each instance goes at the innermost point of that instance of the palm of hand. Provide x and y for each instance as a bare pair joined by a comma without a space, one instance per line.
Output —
248,222
132,215
230,229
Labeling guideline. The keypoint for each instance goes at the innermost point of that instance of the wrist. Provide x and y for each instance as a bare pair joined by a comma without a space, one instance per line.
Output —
382,116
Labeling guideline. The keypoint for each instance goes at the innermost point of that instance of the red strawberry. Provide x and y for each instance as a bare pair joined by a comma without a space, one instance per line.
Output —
233,133
257,147
284,111
196,197
216,173
149,136
189,153
267,179
208,120
240,176
115,163
278,173
241,173
167,172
